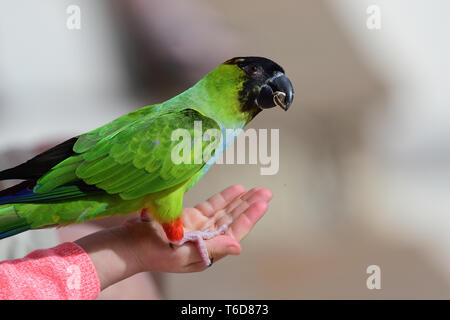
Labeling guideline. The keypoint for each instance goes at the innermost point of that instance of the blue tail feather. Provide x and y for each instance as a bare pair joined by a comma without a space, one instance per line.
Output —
15,197
14,231
11,223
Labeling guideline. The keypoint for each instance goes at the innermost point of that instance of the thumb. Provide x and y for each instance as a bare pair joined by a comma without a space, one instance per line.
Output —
222,246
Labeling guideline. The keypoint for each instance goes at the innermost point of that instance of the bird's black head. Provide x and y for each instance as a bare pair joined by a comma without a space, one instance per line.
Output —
265,85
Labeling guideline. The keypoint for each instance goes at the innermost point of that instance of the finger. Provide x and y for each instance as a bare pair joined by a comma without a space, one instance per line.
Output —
220,200
250,193
222,246
218,247
245,222
234,204
238,200
260,194
247,196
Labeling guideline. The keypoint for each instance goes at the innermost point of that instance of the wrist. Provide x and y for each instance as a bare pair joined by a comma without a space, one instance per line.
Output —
111,255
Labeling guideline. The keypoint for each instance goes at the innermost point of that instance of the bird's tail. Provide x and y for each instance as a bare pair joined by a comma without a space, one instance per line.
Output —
10,223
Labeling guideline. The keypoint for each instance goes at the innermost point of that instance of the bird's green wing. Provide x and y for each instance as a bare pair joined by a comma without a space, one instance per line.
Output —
109,130
136,160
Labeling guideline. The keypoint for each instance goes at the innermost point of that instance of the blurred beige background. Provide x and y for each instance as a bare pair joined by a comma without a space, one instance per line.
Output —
364,149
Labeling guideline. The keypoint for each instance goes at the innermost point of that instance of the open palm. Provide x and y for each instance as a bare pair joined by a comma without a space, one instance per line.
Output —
233,206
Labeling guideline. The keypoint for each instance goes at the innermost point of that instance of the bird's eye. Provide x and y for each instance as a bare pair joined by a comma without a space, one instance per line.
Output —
254,70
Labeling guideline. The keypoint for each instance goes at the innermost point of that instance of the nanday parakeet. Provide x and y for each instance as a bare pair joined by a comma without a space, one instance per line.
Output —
125,166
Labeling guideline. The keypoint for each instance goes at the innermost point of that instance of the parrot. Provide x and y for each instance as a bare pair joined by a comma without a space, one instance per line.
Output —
126,166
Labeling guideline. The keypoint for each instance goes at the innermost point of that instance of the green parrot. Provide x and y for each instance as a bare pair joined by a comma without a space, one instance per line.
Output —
127,165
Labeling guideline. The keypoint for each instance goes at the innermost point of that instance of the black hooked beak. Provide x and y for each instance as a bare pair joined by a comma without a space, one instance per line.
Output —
277,91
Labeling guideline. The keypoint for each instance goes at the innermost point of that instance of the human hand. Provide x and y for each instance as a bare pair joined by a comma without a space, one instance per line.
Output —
233,206
138,246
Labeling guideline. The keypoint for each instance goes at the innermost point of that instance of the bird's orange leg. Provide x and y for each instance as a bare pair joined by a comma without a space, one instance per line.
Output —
174,230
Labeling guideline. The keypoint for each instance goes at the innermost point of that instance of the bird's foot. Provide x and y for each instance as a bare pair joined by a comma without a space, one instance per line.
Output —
198,237
144,215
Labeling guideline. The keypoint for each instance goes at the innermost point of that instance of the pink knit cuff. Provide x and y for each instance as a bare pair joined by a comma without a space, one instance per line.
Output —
62,272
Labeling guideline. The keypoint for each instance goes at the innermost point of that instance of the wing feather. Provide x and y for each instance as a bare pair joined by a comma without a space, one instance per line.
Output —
132,160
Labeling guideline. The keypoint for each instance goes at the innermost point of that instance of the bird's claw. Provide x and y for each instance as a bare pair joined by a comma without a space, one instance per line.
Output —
198,237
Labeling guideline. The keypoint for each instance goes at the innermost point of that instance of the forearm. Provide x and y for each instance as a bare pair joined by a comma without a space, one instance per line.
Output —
72,270
110,253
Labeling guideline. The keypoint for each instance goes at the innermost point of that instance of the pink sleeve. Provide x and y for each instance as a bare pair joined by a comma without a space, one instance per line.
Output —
62,272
